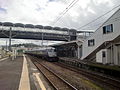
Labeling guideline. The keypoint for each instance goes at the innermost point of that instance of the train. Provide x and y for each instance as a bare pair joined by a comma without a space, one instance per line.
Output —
45,53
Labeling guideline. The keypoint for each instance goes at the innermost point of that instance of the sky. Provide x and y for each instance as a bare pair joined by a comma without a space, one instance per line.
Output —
46,12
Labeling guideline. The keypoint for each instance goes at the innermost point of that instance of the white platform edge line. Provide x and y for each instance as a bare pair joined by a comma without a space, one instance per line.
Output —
24,81
3,59
39,81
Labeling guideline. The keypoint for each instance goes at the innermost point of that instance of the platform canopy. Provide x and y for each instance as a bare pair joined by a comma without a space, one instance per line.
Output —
48,27
39,26
64,29
56,28
19,25
29,26
72,29
1,23
8,24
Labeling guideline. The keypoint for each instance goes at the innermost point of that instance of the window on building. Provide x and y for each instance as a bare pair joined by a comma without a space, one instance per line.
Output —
91,42
103,54
108,29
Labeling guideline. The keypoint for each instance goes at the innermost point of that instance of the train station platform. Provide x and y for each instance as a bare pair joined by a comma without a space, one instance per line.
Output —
20,74
10,73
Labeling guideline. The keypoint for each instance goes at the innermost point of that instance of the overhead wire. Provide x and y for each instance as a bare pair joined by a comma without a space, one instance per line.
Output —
72,4
99,17
93,26
68,6
116,19
99,24
65,11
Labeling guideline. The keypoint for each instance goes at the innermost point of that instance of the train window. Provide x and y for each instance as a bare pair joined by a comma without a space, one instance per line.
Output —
50,50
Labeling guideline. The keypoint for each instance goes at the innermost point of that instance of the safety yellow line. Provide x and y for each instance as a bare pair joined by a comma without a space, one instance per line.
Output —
24,81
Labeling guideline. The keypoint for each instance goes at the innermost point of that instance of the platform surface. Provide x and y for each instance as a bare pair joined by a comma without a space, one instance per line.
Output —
10,73
21,74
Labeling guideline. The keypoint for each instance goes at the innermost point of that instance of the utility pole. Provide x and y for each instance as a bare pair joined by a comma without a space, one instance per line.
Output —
10,36
68,35
6,45
42,37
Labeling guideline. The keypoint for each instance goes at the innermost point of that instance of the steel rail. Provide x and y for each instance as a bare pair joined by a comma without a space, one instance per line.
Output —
95,76
67,85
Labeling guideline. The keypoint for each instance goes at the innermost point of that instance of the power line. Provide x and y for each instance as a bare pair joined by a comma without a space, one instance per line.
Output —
99,17
92,27
99,24
66,10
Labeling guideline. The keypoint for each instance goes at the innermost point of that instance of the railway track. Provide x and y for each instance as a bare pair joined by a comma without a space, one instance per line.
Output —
95,77
107,83
56,81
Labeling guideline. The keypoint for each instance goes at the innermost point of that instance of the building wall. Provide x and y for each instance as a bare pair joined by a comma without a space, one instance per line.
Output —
100,58
100,38
116,54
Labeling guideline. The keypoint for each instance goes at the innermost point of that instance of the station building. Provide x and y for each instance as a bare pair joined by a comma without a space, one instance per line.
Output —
103,45
68,49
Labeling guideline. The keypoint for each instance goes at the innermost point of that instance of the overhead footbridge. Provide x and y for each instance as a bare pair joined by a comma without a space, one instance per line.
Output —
36,32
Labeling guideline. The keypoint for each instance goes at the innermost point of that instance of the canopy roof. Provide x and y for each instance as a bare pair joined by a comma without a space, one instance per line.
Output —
19,25
56,28
36,26
0,23
48,27
65,29
8,24
29,26
39,26
72,29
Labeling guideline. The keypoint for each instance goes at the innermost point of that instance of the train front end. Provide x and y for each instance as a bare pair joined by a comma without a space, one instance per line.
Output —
52,55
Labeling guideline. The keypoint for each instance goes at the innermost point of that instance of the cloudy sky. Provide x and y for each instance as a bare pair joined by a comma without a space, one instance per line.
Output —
46,12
